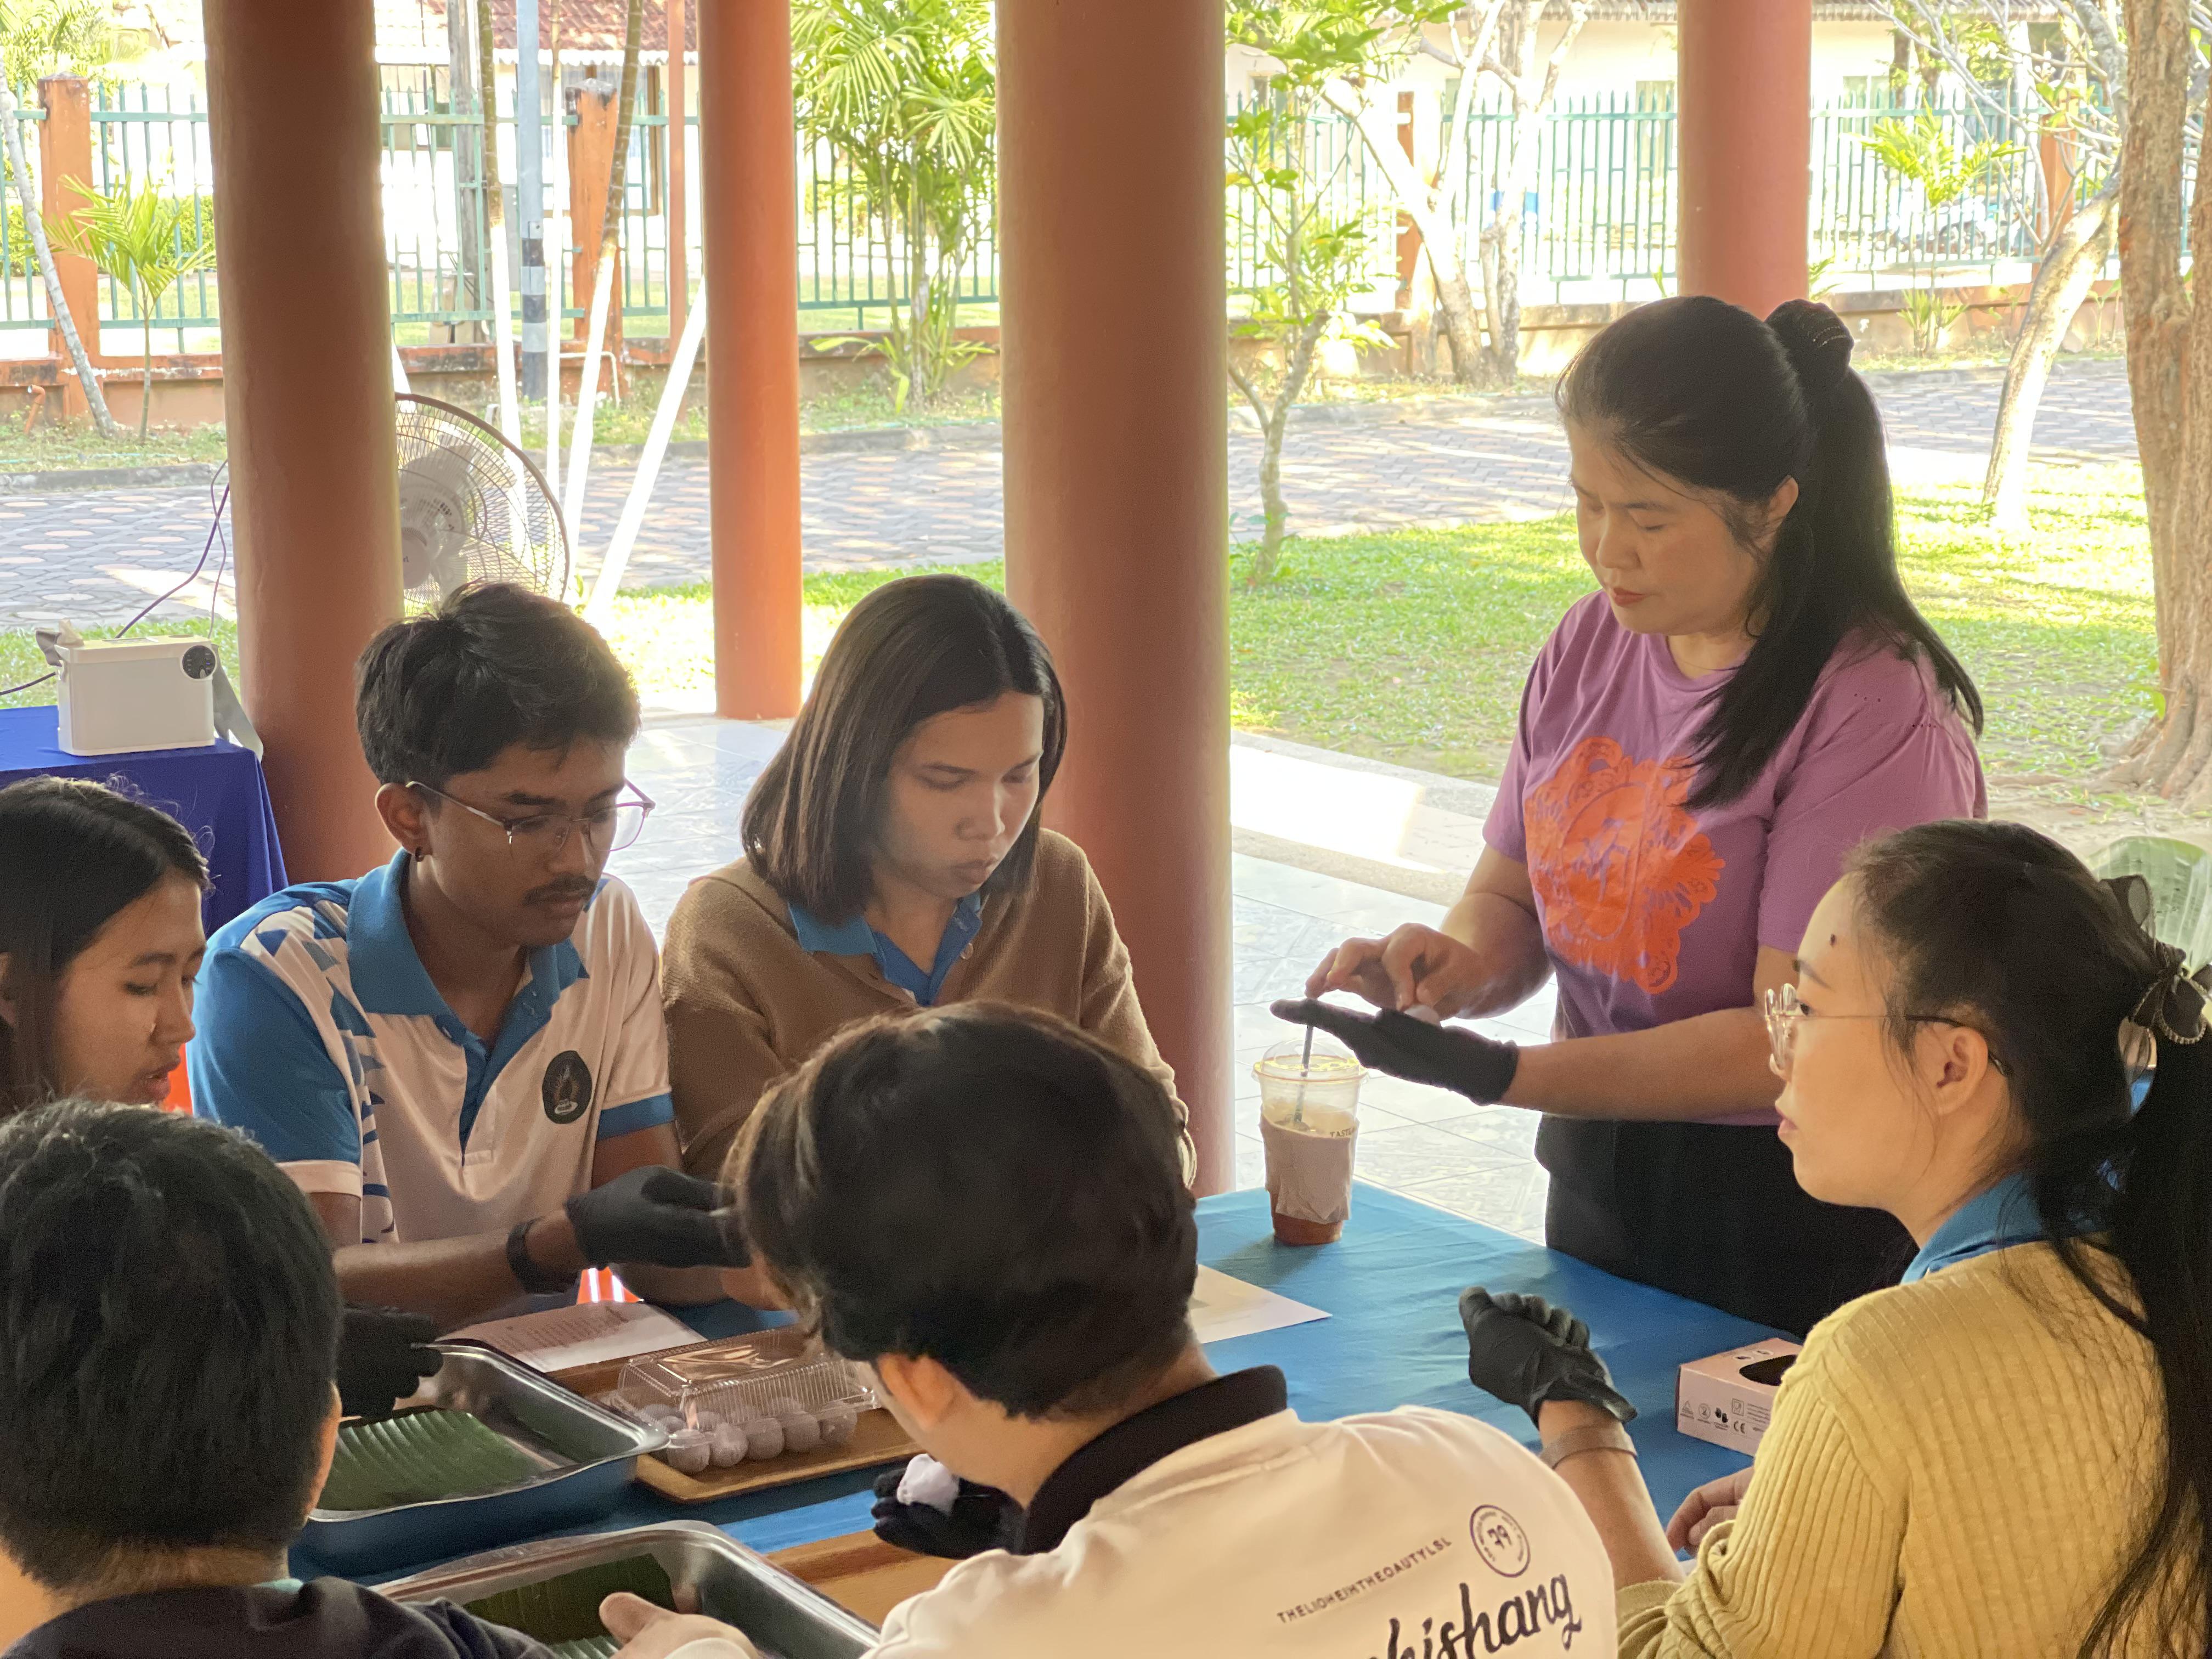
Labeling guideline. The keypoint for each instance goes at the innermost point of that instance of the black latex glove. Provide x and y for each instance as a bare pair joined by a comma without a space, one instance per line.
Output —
1525,1351
983,1518
1463,1061
381,1359
659,1216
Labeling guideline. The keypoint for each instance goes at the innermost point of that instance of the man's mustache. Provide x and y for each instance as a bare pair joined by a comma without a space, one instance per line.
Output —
554,893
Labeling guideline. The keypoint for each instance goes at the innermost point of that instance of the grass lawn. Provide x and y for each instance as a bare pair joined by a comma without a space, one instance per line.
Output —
1412,646
66,448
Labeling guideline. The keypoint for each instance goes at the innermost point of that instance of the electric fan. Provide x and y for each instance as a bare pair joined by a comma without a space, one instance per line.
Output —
472,507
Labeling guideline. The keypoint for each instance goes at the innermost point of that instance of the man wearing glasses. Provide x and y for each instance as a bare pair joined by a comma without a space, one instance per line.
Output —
460,1057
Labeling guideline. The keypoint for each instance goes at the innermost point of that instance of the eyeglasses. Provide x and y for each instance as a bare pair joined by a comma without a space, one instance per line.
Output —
1785,1013
544,835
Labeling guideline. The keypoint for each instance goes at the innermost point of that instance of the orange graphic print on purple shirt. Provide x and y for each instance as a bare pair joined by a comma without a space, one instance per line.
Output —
1617,862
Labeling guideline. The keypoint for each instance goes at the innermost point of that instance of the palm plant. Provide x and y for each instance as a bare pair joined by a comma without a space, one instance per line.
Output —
38,38
905,93
1921,151
1313,258
145,240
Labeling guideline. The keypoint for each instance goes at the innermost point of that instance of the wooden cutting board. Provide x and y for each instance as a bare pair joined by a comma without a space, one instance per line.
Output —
863,1574
877,1438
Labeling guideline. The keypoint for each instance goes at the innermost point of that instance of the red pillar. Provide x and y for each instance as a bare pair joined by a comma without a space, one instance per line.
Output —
1116,440
591,170
292,120
65,154
1744,128
2054,151
748,172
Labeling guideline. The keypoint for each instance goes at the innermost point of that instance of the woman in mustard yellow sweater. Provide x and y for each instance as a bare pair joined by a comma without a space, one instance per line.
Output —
2005,1455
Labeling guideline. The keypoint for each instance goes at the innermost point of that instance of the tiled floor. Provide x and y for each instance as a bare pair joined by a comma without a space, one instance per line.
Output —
1425,1143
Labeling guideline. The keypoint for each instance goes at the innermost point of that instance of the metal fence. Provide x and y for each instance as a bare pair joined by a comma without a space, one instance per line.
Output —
1598,221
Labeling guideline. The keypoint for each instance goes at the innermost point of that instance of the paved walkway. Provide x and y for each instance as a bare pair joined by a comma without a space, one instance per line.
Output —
98,557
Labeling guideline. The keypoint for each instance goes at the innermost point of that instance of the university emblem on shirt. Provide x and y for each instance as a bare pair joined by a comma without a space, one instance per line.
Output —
1617,862
567,1089
1499,1540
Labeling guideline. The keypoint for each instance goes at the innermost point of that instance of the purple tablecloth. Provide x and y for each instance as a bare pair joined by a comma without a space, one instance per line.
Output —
217,792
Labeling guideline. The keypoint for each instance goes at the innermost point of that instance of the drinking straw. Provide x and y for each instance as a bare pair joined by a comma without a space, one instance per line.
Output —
1305,1066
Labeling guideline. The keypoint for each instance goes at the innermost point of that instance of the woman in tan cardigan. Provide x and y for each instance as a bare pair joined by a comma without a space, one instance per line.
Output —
894,859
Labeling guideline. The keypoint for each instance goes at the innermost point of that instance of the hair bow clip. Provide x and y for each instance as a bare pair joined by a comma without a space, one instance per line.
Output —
2173,1007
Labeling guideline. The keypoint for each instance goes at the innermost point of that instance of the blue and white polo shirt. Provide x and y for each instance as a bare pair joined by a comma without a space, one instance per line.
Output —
321,1035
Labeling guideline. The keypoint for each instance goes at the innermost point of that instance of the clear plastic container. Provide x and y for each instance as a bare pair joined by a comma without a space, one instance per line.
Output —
1309,1127
749,1398
1312,1096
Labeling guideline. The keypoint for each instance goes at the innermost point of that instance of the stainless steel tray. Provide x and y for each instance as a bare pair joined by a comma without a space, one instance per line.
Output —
785,1619
587,1455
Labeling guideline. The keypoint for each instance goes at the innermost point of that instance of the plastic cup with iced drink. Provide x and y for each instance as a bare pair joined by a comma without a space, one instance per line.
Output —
1310,1124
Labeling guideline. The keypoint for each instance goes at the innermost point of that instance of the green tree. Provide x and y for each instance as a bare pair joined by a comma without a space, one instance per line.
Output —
2077,65
1921,151
145,240
1314,260
1353,54
40,38
2165,239
905,92
51,37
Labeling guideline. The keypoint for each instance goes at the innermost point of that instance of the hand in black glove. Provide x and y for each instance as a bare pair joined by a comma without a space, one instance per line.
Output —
983,1518
381,1359
1525,1351
1444,1055
658,1216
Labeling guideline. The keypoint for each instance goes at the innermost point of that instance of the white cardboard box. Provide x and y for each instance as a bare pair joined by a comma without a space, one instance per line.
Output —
120,696
1728,1398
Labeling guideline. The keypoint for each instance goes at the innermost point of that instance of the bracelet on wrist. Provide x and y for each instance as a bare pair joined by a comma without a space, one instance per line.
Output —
1591,1436
537,1280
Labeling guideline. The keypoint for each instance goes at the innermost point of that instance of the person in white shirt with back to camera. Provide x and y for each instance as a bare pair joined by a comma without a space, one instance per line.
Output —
985,1206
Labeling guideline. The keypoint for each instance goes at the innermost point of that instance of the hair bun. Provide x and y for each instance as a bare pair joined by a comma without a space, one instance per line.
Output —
1818,344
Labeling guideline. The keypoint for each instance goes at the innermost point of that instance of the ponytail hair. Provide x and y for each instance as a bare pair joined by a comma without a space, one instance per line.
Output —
1704,393
72,854
2008,928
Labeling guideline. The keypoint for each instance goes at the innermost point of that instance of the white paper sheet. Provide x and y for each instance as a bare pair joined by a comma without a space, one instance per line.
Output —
584,1334
1222,1307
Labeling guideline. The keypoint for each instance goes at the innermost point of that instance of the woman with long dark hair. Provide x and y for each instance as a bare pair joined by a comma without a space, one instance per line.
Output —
2009,1453
100,943
894,859
1749,695
101,947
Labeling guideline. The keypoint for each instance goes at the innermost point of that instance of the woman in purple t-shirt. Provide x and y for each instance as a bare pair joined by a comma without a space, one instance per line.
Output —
1701,745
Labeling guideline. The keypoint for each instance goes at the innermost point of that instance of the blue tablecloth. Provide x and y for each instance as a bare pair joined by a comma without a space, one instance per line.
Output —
1391,1286
217,792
